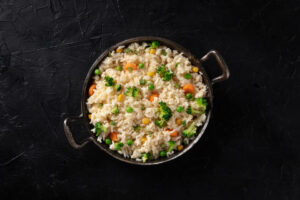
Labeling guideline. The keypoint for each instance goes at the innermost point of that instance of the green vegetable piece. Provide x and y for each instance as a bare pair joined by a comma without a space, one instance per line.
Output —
136,128
163,52
145,157
119,68
189,96
143,82
141,65
127,50
184,123
177,64
99,128
129,142
187,76
171,145
130,69
108,141
100,104
165,113
129,109
202,104
136,52
143,108
190,131
155,44
115,110
113,123
109,81
164,73
179,109
97,72
177,85
118,146
151,86
118,87
162,154
133,91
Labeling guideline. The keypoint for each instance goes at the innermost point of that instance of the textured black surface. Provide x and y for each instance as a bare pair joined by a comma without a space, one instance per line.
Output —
250,149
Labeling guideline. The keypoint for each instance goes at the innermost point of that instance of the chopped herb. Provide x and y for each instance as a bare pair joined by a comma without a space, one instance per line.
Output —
163,52
109,81
136,128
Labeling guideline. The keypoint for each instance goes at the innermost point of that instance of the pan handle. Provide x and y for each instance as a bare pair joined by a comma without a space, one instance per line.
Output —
222,64
69,134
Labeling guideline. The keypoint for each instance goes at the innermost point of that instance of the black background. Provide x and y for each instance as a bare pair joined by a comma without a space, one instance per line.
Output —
250,149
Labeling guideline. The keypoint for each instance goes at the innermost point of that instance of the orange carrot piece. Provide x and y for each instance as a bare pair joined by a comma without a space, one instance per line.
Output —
174,134
188,88
130,65
152,96
113,136
91,89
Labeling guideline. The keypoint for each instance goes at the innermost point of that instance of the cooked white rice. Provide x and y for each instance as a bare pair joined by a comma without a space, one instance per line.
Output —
150,138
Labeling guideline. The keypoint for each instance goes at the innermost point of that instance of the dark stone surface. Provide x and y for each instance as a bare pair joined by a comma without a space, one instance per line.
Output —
250,149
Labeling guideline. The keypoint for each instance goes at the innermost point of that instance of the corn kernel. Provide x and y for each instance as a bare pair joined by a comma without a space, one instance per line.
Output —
121,98
151,74
143,139
145,121
178,121
90,116
180,147
119,50
195,69
152,51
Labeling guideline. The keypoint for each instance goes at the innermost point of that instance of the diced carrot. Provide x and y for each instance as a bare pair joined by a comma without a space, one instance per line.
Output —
130,65
113,136
152,96
91,89
188,88
174,134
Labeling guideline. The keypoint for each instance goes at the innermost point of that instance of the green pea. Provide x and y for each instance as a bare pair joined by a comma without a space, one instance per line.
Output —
187,76
129,142
119,68
162,154
97,72
189,96
108,141
143,82
151,86
129,109
141,65
118,87
115,110
179,109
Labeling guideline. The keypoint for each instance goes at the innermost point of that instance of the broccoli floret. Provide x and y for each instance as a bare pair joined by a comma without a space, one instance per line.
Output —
165,113
109,81
171,145
190,131
99,128
201,103
133,91
193,111
146,156
164,72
